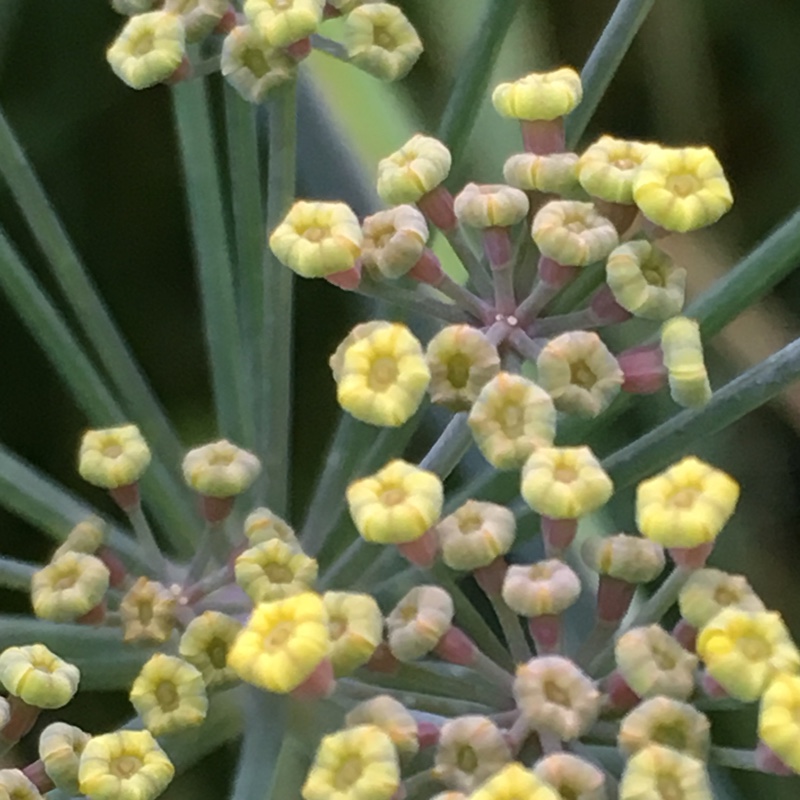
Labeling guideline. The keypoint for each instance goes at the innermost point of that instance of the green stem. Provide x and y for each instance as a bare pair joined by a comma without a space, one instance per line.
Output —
329,47
472,263
512,630
450,447
148,543
16,574
414,301
734,758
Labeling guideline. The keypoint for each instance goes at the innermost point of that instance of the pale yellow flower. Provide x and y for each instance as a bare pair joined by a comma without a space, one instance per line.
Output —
274,570
220,469
394,240
69,587
60,748
263,525
419,621
283,22
632,559
148,612
683,358
490,205
475,534
418,167
573,233
355,627
607,168
37,676
668,722
546,587
540,95
779,719
513,782
113,457
572,777
553,173
88,536
392,717
710,591
15,785
660,773
199,17
205,644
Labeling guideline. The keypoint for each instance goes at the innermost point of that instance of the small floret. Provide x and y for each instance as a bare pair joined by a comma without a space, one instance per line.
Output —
417,168
283,22
113,457
37,676
539,96
419,621
220,469
573,233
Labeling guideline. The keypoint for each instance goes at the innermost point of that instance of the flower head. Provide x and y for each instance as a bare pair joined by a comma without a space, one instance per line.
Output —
475,534
573,233
355,627
220,469
779,719
546,587
282,643
273,570
710,591
419,621
113,457
60,748
572,777
511,418
682,189
667,722
394,240
148,50
608,167
69,587
397,504
126,765
660,773
317,239
540,95
199,16
632,559
37,676
87,537
743,651
283,22
512,782
148,612
552,173
565,482
686,505
263,525
490,205
392,717
380,40
683,358
205,644
15,785
418,167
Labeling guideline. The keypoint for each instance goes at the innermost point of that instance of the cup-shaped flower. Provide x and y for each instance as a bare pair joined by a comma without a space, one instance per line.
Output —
461,360
682,189
253,67
392,717
380,40
683,358
470,750
149,48
539,95
653,663
686,505
577,370
475,534
199,17
394,240
744,650
511,418
417,168
514,781
353,764
666,722
658,773
397,504
608,166
553,173
15,785
645,282
169,694
37,676
205,644
382,376
60,748
88,536
573,233
572,777
555,695
126,765
710,591
419,621
565,482
263,525
632,559
273,570
148,612
69,587
779,719
283,22
220,469
282,643
316,239
546,587
490,205
113,457
355,627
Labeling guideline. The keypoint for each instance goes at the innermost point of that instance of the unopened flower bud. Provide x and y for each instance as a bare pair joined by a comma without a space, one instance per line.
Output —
475,534
148,612
394,240
113,457
546,587
15,785
490,205
87,537
419,621
539,96
573,233
60,748
572,777
69,587
683,358
661,772
553,173
263,525
710,591
778,723
220,469
37,676
666,722
607,168
205,644
513,781
355,627
632,559
274,570
392,717
283,22
413,171
199,17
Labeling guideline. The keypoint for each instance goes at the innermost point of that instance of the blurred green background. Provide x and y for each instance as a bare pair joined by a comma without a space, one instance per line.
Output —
721,72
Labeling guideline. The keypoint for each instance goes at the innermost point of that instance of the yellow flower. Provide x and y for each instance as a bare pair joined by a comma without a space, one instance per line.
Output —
60,748
475,534
645,282
397,504
490,205
383,376
546,587
511,418
686,505
743,651
253,67
608,167
113,457
355,627
572,777
283,22
127,765
417,168
205,644
658,773
15,785
282,643
553,694
461,360
394,240
274,570
710,591
148,50
573,233
354,764
653,663
361,331
779,719
539,96
199,17
263,525
418,622
682,189
69,587
220,469
37,676
577,370
683,358
668,722
392,717
553,173
317,239
565,482
632,559
169,695
380,40
88,536
513,782
148,612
